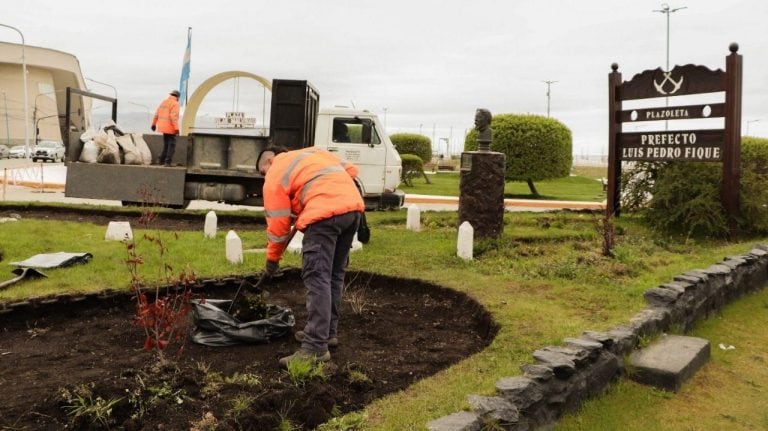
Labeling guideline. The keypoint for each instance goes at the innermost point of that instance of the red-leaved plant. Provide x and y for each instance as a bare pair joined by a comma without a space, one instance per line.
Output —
162,313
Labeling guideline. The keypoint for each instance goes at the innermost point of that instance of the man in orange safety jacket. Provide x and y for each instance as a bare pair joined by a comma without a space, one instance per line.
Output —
315,191
166,121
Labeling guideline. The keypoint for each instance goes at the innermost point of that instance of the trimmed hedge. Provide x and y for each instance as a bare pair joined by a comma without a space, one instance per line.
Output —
537,148
413,143
685,197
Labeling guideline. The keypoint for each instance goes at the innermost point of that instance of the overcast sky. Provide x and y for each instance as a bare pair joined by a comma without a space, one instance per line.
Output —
427,64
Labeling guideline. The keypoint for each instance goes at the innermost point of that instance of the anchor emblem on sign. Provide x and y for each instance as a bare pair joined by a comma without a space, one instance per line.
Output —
668,78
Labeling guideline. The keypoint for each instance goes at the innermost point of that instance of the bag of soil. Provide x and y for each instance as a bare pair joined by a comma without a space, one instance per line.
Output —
90,152
215,327
141,145
109,151
131,155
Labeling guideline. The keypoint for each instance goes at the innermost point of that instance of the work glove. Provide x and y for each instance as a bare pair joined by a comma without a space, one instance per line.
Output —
271,268
153,128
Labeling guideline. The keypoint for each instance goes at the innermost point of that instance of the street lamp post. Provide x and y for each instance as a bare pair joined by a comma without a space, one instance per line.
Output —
146,108
548,84
665,9
7,124
37,124
24,73
750,121
34,111
385,118
103,83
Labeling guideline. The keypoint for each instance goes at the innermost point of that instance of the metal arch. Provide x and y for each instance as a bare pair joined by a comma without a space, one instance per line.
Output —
190,113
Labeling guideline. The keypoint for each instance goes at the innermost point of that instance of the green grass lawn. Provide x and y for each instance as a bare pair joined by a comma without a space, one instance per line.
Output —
542,281
572,188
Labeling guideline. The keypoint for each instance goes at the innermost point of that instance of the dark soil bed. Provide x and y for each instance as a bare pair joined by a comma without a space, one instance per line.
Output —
53,353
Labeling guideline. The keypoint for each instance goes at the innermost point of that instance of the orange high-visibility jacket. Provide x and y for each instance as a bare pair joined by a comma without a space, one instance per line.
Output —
167,116
307,185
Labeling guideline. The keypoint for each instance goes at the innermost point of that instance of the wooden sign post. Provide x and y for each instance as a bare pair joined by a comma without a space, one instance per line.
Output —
696,145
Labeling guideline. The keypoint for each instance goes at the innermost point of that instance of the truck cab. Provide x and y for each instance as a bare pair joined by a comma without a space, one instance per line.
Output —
358,137
223,167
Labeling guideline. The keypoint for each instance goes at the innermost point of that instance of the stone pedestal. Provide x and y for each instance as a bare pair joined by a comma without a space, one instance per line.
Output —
481,192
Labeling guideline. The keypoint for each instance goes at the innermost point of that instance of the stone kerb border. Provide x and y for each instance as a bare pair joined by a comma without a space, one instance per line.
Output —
565,376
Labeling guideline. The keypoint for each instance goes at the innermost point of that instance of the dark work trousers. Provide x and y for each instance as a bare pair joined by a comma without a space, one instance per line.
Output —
169,146
325,254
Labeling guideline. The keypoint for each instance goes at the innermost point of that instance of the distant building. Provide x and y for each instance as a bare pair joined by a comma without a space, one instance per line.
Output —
49,73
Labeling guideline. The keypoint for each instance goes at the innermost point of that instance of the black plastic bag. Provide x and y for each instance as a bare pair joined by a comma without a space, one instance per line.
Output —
215,327
363,231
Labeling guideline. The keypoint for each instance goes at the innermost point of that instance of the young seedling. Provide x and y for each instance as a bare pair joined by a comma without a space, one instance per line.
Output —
302,370
82,406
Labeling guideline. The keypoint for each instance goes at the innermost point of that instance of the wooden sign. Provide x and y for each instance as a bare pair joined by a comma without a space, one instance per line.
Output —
695,145
692,145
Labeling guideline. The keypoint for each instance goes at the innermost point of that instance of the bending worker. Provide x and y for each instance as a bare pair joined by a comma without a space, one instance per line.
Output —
318,189
166,121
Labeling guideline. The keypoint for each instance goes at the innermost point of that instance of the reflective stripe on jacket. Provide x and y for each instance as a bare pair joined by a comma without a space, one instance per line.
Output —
309,185
167,116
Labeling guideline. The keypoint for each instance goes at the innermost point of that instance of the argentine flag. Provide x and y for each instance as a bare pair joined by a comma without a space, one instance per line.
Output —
184,81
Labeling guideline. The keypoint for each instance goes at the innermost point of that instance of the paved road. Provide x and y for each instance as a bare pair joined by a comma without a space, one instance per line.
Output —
23,180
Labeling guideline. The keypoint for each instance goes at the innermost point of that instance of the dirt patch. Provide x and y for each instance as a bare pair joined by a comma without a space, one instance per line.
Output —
86,352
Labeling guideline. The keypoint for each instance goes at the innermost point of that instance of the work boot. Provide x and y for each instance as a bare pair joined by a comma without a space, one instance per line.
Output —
332,342
307,355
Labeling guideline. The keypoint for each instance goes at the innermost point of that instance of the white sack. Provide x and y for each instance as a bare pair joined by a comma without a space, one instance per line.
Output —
89,153
88,135
110,152
130,152
143,148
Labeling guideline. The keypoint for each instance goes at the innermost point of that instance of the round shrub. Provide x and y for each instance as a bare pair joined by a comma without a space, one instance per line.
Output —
413,143
537,148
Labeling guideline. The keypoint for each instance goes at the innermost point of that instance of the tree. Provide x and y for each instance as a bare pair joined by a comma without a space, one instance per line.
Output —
537,148
413,143
417,145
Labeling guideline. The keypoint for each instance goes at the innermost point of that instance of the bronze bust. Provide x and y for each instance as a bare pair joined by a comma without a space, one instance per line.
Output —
484,131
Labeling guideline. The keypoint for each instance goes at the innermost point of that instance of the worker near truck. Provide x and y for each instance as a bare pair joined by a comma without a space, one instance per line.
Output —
315,191
166,121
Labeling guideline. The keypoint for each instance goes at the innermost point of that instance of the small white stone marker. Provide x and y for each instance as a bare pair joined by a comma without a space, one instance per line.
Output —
118,231
465,241
209,230
413,221
234,247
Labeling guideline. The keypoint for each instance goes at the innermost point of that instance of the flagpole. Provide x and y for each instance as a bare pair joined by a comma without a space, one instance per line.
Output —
186,82
185,66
